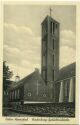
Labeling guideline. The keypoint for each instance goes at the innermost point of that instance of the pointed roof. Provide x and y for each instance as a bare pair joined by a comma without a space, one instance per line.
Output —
67,71
34,75
49,18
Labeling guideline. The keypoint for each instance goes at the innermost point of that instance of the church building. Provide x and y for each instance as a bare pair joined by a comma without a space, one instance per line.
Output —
53,84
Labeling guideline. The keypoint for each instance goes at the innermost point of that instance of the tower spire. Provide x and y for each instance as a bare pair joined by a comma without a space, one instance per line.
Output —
50,11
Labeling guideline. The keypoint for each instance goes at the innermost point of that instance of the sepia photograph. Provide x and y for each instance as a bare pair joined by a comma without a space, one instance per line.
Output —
39,60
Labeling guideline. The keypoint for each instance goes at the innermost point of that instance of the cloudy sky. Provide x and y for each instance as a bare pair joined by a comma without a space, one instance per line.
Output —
22,35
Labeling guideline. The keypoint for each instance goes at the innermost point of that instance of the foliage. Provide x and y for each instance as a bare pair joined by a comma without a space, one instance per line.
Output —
7,74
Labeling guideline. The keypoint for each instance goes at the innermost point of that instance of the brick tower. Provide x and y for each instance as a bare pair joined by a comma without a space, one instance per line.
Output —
50,50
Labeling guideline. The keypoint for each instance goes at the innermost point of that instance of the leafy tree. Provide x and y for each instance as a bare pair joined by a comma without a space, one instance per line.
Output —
7,74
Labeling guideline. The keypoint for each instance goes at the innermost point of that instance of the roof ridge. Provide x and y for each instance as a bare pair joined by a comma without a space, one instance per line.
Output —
23,80
67,65
26,76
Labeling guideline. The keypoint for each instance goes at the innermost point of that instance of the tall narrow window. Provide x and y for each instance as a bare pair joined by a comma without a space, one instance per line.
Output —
15,94
53,27
12,95
18,93
53,75
53,60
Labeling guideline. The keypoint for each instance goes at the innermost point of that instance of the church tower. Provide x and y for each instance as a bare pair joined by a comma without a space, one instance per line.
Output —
50,50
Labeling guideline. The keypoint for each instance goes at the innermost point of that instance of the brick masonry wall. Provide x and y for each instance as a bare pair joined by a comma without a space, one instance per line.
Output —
34,93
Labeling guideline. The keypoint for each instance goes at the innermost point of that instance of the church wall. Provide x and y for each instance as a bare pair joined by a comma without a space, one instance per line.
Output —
35,90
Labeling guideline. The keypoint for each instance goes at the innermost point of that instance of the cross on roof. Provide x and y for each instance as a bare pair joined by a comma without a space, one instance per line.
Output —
50,11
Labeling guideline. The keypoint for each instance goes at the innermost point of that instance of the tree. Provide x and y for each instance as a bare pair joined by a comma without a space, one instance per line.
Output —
7,74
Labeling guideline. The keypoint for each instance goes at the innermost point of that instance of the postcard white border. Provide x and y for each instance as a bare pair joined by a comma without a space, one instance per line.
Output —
46,121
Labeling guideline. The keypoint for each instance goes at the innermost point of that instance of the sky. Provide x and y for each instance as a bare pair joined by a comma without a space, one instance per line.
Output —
22,35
